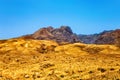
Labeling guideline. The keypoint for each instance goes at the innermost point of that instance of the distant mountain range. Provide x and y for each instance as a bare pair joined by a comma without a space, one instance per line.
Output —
65,34
109,37
93,38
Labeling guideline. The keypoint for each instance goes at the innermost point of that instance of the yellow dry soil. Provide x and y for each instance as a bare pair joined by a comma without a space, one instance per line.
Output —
47,60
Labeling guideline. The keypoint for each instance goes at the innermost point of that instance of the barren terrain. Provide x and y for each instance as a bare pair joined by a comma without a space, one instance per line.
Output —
22,59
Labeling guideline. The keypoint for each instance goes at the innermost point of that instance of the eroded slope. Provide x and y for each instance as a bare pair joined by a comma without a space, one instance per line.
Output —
22,59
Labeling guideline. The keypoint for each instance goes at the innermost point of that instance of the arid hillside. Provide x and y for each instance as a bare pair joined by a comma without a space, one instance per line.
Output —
28,59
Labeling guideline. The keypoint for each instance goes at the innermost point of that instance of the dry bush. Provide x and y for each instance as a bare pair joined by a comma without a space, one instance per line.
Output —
48,65
46,49
102,70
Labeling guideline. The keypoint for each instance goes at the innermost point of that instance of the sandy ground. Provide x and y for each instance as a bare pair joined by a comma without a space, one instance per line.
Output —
61,62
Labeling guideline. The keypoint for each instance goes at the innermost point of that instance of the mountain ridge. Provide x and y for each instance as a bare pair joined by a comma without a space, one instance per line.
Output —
62,34
65,34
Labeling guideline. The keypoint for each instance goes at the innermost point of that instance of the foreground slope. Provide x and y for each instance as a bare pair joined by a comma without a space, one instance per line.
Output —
26,59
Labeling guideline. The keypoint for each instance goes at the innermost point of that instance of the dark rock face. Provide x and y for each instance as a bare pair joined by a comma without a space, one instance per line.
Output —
88,39
105,37
43,33
62,34
109,37
65,34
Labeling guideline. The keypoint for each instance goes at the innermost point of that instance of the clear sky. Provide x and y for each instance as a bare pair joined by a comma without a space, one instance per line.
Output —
20,17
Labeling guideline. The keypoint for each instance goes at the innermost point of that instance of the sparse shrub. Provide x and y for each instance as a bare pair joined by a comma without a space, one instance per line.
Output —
90,72
119,70
34,76
80,71
45,49
42,48
62,76
92,50
103,76
117,64
67,71
38,76
1,76
112,69
48,65
35,57
101,70
22,45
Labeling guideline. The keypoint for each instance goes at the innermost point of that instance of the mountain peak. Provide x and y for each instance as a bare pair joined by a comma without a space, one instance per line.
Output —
62,34
66,28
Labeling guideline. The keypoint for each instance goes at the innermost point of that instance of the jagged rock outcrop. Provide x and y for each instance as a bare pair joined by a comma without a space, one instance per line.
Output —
62,34
105,37
109,37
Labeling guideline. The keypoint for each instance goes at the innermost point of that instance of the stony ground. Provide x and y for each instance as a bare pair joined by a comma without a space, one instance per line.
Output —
46,60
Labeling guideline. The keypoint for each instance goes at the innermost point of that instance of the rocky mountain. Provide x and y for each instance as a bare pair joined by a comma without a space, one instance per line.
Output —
105,37
109,37
65,34
62,34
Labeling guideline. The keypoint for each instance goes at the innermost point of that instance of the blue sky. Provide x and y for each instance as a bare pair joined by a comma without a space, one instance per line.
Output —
20,17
